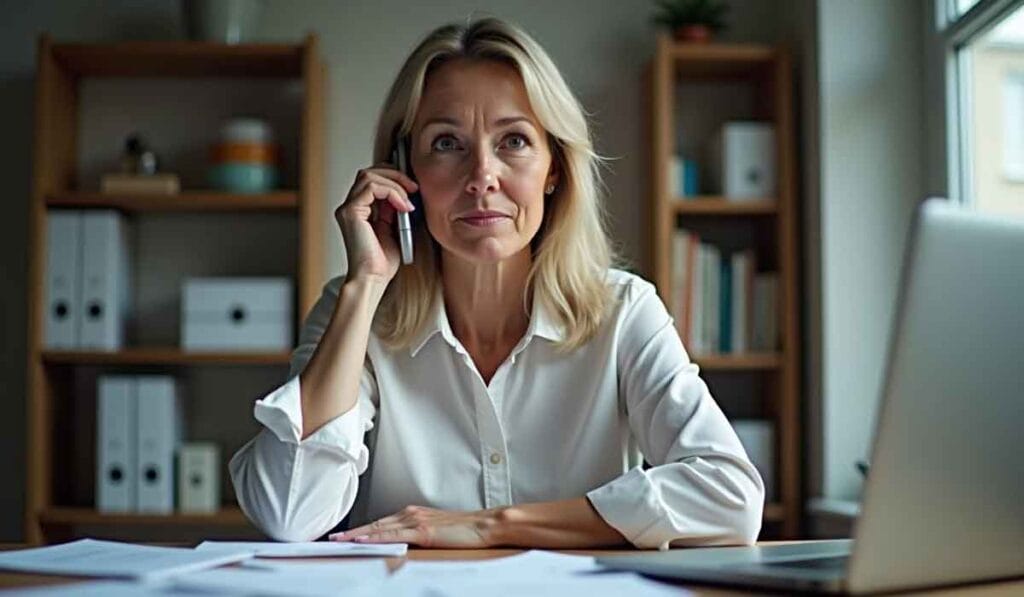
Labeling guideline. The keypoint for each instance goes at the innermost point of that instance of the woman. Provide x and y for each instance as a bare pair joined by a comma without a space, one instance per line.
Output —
504,388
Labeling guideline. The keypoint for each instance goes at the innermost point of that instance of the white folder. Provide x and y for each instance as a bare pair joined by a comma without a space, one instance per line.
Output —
160,431
104,280
63,287
115,444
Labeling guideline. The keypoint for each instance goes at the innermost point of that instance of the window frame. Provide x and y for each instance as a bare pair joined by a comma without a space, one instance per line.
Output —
956,32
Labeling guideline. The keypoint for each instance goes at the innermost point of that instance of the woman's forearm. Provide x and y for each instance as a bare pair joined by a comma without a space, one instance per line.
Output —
564,524
330,382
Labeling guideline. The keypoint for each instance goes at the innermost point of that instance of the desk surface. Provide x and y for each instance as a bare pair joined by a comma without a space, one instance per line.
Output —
1014,588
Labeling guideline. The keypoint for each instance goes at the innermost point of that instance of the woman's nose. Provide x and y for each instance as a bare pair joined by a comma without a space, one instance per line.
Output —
483,179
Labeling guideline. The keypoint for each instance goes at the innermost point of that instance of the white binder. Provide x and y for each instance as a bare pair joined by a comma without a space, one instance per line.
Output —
160,430
105,274
63,287
115,444
199,477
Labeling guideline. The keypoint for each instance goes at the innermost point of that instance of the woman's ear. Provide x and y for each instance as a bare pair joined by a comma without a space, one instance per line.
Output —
555,170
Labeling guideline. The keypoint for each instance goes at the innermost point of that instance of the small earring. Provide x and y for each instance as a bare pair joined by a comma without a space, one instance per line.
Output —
550,189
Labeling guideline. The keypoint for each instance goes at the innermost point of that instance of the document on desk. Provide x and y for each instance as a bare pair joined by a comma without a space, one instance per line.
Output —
91,557
309,549
536,573
534,563
301,579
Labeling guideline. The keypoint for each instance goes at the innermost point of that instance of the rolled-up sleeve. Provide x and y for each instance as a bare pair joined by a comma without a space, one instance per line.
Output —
297,489
701,488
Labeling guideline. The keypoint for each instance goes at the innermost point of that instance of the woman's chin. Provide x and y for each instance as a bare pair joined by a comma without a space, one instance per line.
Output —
488,249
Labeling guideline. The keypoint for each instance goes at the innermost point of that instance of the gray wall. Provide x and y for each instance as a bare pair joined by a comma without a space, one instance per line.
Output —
600,45
870,131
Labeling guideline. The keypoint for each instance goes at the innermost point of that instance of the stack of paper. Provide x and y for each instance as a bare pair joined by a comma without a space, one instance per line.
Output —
312,549
90,557
297,579
534,573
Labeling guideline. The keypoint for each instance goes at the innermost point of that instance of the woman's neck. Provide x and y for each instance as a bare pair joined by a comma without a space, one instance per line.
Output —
484,302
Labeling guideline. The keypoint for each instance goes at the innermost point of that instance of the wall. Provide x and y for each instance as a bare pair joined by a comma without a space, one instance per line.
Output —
600,45
872,174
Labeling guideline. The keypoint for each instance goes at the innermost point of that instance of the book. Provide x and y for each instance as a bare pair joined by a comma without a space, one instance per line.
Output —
766,320
684,264
741,304
725,307
711,282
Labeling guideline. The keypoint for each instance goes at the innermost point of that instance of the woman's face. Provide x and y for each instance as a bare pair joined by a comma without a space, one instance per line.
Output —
481,159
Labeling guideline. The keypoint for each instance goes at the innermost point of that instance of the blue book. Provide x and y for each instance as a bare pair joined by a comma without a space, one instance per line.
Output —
691,188
725,309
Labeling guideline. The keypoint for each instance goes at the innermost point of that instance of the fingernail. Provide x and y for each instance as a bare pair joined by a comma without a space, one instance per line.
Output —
336,536
360,539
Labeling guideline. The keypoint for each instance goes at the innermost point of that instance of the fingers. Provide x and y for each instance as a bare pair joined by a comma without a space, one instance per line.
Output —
392,171
377,188
396,535
374,526
410,516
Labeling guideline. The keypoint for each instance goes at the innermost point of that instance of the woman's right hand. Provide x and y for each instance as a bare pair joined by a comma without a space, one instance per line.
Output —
367,221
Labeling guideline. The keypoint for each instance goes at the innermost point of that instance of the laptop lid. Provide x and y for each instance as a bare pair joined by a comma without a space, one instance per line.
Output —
944,500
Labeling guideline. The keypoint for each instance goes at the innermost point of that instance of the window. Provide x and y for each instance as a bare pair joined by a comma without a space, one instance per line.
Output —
1013,120
985,39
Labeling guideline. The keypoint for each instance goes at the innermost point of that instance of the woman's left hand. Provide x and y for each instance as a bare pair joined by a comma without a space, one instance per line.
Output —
428,527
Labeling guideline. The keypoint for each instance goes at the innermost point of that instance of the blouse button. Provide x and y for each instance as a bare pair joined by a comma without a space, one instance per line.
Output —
495,458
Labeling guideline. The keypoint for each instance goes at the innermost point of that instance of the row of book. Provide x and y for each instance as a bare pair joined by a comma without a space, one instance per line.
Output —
720,302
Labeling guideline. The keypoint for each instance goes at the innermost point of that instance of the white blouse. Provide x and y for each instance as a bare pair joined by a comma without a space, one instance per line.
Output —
428,431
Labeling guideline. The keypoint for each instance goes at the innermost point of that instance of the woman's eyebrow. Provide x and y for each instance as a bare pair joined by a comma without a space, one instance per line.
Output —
456,122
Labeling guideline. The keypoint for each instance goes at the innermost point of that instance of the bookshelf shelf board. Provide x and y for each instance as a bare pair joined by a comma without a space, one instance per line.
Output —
190,201
727,362
719,206
180,59
162,356
228,516
721,61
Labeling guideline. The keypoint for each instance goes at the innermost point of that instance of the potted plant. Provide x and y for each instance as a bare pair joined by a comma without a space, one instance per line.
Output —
691,20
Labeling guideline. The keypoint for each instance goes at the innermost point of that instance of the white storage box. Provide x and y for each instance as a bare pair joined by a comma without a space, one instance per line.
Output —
199,477
247,314
742,160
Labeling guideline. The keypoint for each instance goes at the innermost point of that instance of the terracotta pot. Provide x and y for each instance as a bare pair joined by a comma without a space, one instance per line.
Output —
693,33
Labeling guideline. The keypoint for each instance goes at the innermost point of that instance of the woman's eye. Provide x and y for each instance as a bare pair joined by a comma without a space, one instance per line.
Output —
517,141
444,143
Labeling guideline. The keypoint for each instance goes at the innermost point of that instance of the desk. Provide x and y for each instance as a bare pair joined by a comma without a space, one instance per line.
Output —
1013,588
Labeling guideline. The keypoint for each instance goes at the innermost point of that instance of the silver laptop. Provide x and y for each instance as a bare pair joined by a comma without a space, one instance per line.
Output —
944,499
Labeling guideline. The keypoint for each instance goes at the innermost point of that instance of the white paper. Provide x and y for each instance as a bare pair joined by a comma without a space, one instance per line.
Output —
90,557
106,588
311,549
301,579
612,584
530,564
536,573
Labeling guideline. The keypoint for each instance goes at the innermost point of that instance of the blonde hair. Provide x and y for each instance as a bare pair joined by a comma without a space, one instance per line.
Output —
571,251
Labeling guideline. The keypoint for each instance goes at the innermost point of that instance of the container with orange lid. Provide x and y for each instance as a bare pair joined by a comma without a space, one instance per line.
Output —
246,158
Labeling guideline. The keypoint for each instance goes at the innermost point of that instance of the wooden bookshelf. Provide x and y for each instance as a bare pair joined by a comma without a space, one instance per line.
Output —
190,201
768,225
54,376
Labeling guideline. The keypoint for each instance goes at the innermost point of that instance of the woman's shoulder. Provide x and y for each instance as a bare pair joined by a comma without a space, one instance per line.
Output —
627,286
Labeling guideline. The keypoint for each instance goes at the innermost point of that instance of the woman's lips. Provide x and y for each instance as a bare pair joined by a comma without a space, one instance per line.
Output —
483,221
